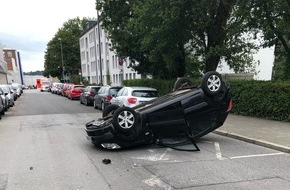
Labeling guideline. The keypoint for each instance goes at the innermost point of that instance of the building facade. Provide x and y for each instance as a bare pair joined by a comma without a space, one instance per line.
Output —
3,67
99,64
14,71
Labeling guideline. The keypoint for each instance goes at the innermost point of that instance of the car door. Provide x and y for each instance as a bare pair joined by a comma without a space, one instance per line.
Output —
100,95
84,94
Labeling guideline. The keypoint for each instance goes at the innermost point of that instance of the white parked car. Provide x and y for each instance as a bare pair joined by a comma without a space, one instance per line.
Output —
9,94
18,88
5,99
133,96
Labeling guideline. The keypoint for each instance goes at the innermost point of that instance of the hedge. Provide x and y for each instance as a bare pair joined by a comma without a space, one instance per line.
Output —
264,99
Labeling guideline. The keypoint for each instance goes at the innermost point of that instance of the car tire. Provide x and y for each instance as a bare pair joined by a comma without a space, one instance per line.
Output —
86,102
212,83
182,82
102,106
125,119
110,109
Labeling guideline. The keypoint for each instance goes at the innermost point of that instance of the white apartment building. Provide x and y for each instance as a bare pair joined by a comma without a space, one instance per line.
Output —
99,64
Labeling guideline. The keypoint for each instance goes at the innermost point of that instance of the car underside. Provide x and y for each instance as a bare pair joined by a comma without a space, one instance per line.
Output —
187,113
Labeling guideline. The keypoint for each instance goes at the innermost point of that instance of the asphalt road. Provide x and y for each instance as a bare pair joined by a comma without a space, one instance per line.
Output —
43,146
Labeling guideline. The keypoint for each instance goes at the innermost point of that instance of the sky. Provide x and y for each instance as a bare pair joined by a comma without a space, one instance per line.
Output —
28,25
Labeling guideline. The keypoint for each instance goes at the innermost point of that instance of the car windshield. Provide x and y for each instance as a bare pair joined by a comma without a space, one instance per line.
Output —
147,94
95,89
5,89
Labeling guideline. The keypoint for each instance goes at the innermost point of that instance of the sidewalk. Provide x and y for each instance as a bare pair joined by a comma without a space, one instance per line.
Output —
267,133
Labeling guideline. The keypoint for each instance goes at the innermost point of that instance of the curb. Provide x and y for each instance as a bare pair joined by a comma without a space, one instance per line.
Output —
254,141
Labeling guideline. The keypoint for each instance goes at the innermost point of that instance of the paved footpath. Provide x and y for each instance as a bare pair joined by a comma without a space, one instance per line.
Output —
268,133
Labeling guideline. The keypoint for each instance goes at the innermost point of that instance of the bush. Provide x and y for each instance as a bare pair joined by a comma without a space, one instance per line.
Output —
265,99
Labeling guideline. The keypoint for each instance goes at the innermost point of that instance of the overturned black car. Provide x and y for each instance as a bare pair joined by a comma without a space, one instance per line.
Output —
188,112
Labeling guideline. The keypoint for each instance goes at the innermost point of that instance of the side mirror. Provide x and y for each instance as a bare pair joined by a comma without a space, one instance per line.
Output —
114,95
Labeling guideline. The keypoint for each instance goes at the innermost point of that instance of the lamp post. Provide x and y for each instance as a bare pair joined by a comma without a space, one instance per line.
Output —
100,52
61,58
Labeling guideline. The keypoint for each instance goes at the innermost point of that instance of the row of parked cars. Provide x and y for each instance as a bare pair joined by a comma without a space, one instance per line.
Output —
9,93
101,96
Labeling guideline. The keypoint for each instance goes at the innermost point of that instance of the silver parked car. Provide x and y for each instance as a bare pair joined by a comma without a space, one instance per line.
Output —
5,100
9,94
18,88
133,96
2,111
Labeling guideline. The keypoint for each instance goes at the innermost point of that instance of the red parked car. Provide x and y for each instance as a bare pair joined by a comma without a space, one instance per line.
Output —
64,89
75,91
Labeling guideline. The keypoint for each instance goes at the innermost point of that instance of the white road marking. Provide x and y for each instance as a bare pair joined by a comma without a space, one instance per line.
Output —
257,155
218,152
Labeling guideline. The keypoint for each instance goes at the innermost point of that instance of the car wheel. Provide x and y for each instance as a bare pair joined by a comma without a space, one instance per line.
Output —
110,109
102,106
182,82
125,119
212,83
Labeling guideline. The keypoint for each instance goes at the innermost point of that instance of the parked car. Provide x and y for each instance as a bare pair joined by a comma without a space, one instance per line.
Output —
5,100
9,94
87,97
13,91
45,88
104,96
133,96
54,87
18,88
189,112
74,91
2,111
64,89
59,89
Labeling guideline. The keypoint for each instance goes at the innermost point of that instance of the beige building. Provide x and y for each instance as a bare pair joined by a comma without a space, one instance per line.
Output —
3,67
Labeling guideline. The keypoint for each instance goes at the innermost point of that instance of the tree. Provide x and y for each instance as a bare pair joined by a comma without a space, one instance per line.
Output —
69,35
273,18
167,36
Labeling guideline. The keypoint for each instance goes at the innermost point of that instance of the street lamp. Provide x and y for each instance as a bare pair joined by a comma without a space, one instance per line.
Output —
61,58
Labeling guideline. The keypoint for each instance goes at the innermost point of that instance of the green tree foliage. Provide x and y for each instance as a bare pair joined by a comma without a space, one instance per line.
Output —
67,36
167,37
273,18
33,73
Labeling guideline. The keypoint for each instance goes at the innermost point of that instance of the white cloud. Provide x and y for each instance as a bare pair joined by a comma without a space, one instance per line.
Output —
29,25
